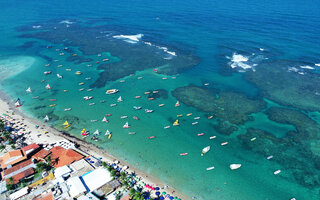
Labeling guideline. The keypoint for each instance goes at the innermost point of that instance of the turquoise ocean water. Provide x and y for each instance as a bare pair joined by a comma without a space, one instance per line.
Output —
266,52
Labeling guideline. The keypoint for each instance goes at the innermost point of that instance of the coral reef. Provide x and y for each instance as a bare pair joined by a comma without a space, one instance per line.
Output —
287,88
226,105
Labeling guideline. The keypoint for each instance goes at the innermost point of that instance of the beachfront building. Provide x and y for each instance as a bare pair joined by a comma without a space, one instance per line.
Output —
12,158
23,170
61,156
30,149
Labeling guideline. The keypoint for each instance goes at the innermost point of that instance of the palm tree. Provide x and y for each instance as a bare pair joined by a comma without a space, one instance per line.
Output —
138,196
132,191
113,173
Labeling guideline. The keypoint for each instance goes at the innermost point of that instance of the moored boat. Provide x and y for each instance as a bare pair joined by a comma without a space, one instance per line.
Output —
52,105
113,104
137,107
28,90
46,118
166,127
135,117
205,150
48,87
151,137
183,154
126,125
18,103
112,91
176,123
235,166
132,133
124,117
160,105
148,110
105,119
107,115
224,143
200,134
210,168
119,99
194,123
177,104
277,172
212,137
67,109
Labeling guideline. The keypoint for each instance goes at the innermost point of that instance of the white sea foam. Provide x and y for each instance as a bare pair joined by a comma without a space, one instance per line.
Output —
36,27
148,43
306,67
129,38
317,64
261,49
292,69
301,73
66,22
239,61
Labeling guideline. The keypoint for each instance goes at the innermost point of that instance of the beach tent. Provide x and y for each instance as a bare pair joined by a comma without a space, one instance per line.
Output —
161,198
158,193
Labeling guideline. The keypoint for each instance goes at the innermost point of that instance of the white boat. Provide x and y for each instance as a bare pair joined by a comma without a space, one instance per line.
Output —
81,89
87,97
88,78
194,123
269,157
91,104
112,91
46,118
119,99
67,109
137,107
148,111
93,120
113,104
132,133
166,127
90,89
124,117
224,143
205,150
107,133
18,103
235,166
59,76
126,125
210,168
48,87
47,72
29,90
197,118
276,172
96,132
104,119
212,137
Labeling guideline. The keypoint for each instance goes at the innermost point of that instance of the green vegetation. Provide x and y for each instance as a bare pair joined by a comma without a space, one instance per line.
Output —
42,166
10,185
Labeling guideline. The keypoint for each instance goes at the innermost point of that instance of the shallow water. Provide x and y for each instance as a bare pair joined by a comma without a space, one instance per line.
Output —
215,36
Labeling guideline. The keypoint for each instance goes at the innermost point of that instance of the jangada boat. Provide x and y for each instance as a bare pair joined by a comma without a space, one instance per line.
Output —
183,154
46,118
112,91
107,133
200,134
113,104
235,166
124,117
205,150
47,72
177,104
194,123
126,125
48,87
18,103
137,97
28,90
151,137
176,123
119,99
224,143
210,168
105,119
66,124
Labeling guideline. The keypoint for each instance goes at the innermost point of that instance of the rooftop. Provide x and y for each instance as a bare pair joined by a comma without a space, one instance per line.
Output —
33,146
21,166
61,157
12,157
18,177
42,154
47,196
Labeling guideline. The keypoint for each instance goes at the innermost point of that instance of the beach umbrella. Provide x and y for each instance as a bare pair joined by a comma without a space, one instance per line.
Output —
161,198
157,193
163,193
152,188
175,197
171,197
157,188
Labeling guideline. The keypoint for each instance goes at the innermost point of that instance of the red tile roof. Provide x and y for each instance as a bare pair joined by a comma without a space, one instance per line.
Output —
61,157
31,146
48,196
18,177
6,157
18,166
41,154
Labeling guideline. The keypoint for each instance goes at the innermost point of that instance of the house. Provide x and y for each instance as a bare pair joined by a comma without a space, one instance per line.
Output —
41,155
11,158
30,149
20,193
61,157
63,171
96,179
18,169
76,187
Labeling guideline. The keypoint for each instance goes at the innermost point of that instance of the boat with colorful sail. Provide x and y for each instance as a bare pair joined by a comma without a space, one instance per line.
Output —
96,132
84,133
176,123
177,104
48,87
46,118
66,124
28,90
126,125
119,99
105,120
18,103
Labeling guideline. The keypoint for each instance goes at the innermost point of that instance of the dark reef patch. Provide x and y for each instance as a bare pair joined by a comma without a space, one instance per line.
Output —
162,93
226,105
131,57
287,88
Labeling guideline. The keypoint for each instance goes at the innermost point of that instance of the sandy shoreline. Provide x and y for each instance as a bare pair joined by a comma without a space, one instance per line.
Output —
53,135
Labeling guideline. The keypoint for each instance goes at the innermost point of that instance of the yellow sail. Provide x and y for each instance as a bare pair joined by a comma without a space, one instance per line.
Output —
176,123
83,131
65,123
109,136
